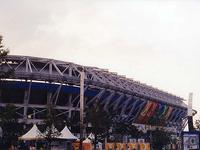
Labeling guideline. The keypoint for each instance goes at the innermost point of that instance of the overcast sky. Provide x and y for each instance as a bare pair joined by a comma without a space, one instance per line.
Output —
155,42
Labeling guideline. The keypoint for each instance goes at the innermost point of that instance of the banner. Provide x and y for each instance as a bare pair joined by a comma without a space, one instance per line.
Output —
86,146
144,111
150,113
144,146
132,146
128,146
120,146
75,145
109,146
170,109
160,109
166,108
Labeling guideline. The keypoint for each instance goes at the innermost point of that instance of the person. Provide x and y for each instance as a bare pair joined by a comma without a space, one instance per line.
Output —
32,146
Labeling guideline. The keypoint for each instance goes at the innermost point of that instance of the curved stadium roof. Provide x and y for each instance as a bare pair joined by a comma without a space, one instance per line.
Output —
37,81
40,68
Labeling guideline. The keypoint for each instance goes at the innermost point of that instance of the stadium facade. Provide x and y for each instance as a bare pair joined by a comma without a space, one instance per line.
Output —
37,81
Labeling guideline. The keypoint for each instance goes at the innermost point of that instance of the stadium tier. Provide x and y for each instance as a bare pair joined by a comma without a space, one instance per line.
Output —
37,81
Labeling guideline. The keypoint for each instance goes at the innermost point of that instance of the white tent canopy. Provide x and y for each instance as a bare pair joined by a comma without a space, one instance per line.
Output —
67,135
87,141
89,138
33,134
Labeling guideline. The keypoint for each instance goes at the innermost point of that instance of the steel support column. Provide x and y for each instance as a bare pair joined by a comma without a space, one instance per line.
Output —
26,100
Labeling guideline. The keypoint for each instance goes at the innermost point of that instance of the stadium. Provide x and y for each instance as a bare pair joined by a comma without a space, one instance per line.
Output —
38,81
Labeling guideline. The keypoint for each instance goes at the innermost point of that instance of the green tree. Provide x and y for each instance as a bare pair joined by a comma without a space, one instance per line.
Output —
197,124
160,139
11,128
4,52
122,128
50,124
100,122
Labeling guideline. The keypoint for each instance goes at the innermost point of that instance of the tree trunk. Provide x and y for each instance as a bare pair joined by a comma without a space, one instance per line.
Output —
95,141
81,144
49,145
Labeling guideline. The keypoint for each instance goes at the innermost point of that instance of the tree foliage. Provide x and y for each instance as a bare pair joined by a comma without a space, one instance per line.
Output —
11,128
8,118
197,124
4,52
160,139
100,121
108,123
50,124
125,128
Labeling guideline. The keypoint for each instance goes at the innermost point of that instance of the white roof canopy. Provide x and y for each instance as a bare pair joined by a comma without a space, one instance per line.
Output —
89,138
67,135
87,141
33,134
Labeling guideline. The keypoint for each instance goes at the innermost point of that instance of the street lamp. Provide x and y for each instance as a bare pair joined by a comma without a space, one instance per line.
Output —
82,76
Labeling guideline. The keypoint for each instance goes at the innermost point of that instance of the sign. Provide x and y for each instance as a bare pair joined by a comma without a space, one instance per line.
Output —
144,146
132,146
121,146
190,141
86,146
109,146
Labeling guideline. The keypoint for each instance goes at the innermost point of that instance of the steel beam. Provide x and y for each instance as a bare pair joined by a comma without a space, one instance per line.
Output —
41,106
125,104
117,101
98,96
26,100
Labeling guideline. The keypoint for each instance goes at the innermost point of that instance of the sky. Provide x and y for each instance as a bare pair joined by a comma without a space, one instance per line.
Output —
152,41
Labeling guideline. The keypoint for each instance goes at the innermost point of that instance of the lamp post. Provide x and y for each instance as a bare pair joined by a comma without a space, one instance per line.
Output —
82,76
